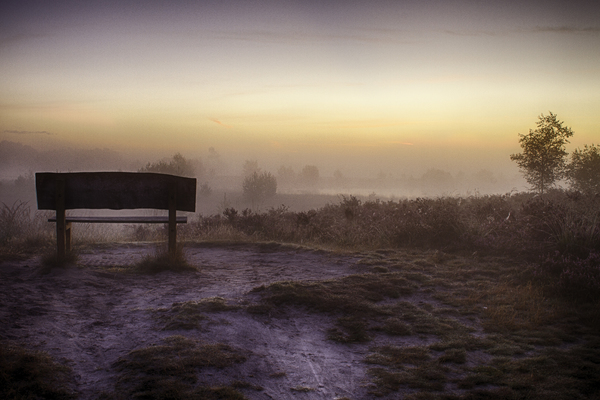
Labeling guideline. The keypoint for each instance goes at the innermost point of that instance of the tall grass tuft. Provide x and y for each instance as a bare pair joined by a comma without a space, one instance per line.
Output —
21,231
163,261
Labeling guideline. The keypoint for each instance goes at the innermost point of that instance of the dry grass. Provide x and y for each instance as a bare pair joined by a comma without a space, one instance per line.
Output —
26,374
163,261
353,299
51,261
189,314
481,326
519,332
170,371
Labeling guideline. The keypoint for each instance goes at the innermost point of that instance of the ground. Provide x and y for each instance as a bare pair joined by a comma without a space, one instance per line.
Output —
91,316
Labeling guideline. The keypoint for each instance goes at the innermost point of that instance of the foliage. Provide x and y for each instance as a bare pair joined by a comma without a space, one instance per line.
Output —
286,173
310,175
250,167
543,158
523,225
436,178
258,187
13,220
205,190
574,277
178,165
20,232
583,172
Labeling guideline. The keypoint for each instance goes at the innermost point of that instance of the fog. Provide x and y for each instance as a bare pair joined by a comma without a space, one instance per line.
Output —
302,182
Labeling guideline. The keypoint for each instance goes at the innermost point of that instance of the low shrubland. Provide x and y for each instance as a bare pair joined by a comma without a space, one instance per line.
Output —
516,224
558,233
514,281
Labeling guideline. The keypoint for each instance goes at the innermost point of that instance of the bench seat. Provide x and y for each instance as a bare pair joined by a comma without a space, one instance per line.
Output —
122,220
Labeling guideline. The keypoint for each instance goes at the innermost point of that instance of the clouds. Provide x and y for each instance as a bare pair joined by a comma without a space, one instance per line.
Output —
216,121
29,132
568,29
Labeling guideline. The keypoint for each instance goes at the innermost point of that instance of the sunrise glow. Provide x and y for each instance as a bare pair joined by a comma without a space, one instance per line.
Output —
382,81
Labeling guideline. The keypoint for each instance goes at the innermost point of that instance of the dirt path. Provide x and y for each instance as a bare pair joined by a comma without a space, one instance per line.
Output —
90,316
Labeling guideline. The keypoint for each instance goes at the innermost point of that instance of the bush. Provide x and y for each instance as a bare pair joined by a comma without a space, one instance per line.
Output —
583,172
258,187
574,277
178,165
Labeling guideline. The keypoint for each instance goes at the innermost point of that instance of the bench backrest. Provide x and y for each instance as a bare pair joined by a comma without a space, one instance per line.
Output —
115,190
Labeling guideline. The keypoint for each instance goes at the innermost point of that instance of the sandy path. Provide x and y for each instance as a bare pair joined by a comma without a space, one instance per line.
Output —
91,317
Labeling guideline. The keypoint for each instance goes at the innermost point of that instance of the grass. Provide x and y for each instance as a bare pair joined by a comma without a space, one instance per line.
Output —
26,374
51,261
496,296
22,232
163,261
171,370
353,299
488,331
189,314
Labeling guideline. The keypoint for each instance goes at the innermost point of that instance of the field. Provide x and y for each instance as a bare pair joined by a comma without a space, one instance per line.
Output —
440,298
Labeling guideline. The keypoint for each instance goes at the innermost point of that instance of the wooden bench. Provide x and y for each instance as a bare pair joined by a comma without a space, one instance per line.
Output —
115,191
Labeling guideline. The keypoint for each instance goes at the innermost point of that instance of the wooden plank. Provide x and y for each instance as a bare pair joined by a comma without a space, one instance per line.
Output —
122,220
115,190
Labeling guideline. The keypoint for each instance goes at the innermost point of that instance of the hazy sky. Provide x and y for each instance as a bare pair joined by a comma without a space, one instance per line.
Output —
355,85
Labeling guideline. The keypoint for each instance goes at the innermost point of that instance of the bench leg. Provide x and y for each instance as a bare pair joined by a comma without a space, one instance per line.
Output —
172,220
68,237
61,239
61,225
172,236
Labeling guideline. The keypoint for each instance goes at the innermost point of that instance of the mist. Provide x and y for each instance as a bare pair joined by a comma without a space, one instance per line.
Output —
303,183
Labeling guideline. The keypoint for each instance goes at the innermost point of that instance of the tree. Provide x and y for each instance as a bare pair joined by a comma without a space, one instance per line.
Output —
178,165
250,167
543,158
258,187
286,173
310,175
583,172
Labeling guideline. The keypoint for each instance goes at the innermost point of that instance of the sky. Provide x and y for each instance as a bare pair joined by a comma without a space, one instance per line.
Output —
359,86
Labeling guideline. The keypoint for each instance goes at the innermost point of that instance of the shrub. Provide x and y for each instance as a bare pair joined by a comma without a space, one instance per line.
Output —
258,187
583,172
178,165
574,277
